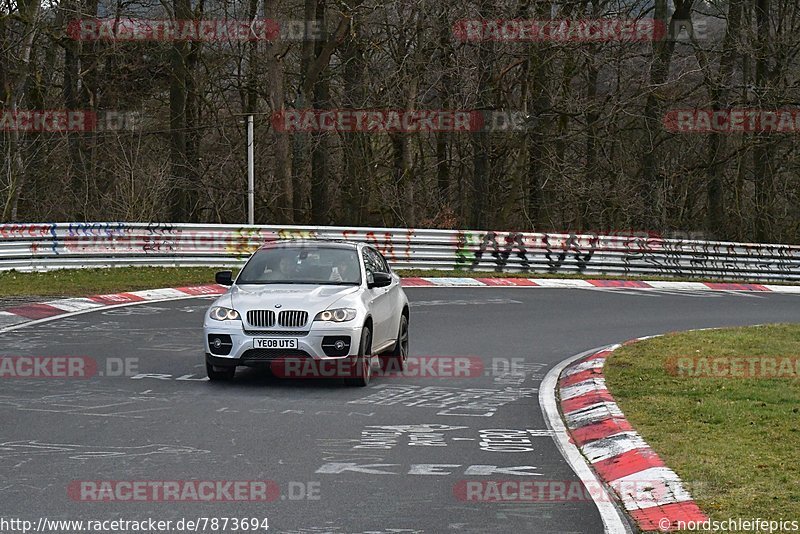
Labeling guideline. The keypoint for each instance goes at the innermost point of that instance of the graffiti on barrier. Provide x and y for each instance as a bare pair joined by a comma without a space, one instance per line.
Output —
30,245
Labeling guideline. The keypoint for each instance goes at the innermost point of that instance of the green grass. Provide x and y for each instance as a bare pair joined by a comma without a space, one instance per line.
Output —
83,282
733,441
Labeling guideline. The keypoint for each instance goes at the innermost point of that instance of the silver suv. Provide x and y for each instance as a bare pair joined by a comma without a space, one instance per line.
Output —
332,302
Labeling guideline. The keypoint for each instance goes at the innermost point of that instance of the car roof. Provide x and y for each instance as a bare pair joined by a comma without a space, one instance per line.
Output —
319,243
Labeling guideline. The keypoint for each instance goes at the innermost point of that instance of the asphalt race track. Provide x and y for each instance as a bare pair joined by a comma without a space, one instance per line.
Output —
319,441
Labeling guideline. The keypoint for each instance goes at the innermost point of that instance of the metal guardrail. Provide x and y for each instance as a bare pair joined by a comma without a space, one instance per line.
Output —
38,247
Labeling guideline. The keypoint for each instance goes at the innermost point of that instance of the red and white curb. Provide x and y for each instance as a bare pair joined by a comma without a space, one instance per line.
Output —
17,316
650,492
593,284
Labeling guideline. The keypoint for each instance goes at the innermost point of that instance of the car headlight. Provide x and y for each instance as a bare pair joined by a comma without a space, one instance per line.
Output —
338,315
219,313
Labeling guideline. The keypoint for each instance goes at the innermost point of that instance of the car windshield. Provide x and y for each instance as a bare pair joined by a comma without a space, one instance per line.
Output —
302,265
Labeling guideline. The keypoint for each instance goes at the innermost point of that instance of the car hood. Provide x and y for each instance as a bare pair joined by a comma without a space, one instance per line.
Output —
289,296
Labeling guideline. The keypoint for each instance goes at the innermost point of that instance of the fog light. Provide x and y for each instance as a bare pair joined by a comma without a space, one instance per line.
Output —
220,344
336,345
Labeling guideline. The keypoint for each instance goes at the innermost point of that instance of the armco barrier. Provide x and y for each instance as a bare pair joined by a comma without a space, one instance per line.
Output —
34,247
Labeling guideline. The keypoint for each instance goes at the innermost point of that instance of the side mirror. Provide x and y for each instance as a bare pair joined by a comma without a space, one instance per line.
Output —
379,280
224,278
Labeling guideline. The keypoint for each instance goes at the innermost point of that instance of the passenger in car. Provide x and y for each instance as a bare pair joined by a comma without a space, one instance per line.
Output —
343,271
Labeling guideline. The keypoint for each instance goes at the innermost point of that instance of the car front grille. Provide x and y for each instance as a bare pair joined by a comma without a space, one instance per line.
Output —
298,333
292,318
261,318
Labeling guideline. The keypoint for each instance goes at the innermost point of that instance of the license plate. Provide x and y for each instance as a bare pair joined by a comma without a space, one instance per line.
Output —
275,343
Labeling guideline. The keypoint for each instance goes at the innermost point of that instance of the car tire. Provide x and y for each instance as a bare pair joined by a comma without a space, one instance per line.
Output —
395,360
361,370
216,375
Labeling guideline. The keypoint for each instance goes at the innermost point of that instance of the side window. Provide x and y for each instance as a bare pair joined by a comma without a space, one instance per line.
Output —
384,264
368,268
373,262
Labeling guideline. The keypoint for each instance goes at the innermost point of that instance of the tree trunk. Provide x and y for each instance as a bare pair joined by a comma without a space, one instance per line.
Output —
179,199
763,160
536,74
29,19
444,102
481,142
356,180
77,173
193,178
320,164
315,90
715,217
649,183
283,168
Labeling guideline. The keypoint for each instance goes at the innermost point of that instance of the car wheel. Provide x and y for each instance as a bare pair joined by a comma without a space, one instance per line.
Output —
220,374
362,366
395,360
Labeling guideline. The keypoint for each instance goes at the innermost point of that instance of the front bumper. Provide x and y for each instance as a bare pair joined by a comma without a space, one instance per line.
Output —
239,349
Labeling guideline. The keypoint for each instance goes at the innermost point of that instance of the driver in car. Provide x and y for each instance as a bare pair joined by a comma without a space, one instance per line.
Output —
284,270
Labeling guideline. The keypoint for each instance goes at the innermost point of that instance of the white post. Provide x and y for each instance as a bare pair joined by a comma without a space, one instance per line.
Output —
251,188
